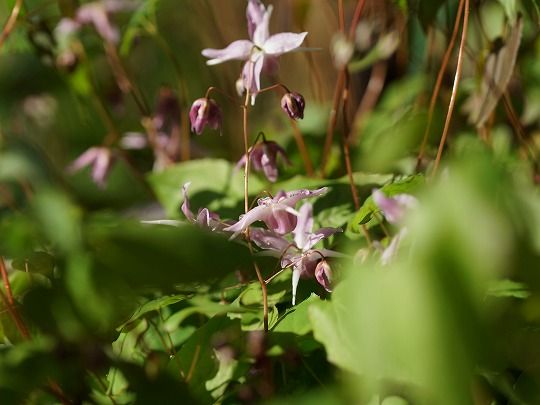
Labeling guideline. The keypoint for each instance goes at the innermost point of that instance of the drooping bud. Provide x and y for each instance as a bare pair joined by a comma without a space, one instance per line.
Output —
263,157
204,111
323,274
293,104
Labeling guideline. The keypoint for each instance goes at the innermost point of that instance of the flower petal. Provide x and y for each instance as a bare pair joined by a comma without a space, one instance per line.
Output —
235,50
255,12
261,33
258,213
185,205
304,226
319,235
267,239
283,42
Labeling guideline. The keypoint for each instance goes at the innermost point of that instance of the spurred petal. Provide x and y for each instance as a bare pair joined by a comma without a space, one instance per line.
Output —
235,50
304,226
283,42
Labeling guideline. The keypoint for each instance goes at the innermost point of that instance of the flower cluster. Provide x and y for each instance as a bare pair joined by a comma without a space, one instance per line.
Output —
281,218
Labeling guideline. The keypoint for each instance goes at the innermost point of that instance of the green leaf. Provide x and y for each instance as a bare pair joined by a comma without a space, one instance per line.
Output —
296,320
198,360
508,289
164,256
143,19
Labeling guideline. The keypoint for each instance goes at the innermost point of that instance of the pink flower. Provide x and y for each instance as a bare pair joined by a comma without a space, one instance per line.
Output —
203,112
260,51
277,213
395,207
300,255
204,218
100,158
263,157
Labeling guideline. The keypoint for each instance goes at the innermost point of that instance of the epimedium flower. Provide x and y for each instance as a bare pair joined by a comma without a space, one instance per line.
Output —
293,104
394,209
260,51
276,212
204,112
300,255
204,218
263,157
96,13
100,158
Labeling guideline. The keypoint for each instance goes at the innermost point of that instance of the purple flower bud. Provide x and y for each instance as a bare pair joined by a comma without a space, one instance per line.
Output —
204,111
293,104
323,274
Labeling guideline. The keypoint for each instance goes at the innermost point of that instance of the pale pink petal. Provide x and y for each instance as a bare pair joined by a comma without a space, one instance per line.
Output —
85,159
254,14
283,42
319,235
101,166
294,196
258,213
267,239
304,226
185,205
240,50
261,33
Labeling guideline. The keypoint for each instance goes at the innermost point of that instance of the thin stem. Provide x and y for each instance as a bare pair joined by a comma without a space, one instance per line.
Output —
245,112
10,23
438,82
246,150
213,88
5,280
345,142
193,363
454,89
19,324
341,16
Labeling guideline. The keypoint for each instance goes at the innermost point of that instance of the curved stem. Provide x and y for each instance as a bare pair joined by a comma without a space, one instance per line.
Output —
454,89
438,82
10,23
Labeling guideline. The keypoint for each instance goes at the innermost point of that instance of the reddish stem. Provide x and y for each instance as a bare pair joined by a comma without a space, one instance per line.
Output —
454,89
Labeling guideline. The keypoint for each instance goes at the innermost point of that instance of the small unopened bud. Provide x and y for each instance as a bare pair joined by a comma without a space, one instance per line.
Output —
293,104
204,111
323,274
